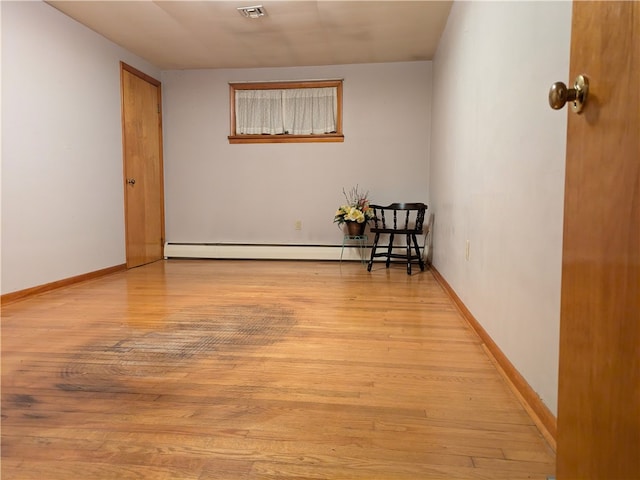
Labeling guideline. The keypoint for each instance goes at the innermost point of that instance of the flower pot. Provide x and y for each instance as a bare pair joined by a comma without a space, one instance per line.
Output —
355,229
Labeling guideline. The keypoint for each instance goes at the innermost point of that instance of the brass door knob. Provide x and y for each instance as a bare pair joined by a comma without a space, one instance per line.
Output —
559,94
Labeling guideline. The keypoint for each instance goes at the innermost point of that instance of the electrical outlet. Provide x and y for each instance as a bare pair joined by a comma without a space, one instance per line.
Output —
298,225
466,251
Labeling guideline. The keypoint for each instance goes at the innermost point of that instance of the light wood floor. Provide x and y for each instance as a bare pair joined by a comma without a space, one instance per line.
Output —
256,370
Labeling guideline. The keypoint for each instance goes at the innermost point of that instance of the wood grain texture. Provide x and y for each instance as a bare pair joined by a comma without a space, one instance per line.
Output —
199,369
599,387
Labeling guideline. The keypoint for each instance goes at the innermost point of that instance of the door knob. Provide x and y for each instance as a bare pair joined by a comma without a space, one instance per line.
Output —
559,94
131,181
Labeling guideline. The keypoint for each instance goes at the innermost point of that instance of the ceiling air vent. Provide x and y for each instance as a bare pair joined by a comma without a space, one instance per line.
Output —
253,12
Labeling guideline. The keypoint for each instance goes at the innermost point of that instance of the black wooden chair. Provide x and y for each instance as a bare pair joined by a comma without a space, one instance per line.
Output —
398,219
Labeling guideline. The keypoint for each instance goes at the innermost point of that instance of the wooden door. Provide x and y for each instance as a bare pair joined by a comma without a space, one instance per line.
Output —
599,386
144,196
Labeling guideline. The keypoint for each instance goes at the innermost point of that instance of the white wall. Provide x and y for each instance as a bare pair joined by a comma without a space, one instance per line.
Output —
497,174
216,192
62,186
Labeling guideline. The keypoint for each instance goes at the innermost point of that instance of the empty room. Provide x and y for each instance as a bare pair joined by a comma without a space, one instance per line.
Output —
320,239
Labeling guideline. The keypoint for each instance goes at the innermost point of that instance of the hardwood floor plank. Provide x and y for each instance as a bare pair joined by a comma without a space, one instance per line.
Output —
237,369
39,470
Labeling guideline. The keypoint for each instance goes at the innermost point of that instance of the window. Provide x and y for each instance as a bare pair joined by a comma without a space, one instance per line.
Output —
281,112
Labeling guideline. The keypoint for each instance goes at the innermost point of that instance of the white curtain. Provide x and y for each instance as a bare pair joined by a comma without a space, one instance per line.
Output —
299,111
310,110
259,112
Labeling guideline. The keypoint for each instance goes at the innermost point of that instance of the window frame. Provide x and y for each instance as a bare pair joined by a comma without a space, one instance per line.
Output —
235,138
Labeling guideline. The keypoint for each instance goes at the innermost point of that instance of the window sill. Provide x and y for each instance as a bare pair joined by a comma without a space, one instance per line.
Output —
330,137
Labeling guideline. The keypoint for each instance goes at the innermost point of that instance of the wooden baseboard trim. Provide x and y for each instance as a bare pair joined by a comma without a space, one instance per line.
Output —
541,415
47,287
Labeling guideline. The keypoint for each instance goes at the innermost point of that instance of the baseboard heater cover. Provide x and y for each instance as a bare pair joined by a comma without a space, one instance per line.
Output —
264,251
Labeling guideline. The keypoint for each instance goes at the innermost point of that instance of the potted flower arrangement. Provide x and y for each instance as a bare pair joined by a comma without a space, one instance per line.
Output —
355,213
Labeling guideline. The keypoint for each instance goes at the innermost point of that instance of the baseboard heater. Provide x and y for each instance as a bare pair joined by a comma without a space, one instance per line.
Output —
264,251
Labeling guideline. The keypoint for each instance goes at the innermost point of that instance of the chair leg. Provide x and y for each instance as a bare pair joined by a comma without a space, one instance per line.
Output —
420,261
389,249
373,251
408,254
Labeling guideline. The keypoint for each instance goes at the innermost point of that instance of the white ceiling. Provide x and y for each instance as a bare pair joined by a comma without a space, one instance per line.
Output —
185,34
